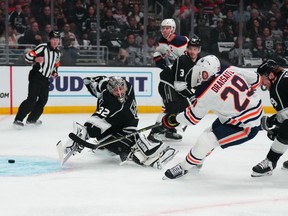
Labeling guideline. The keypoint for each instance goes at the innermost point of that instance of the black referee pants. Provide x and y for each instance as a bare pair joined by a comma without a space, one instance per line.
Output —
38,91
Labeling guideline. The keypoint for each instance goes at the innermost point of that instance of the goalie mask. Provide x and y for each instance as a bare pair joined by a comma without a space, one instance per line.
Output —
204,69
117,87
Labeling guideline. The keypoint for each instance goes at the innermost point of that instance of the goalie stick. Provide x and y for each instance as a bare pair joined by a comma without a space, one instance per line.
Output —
86,144
64,157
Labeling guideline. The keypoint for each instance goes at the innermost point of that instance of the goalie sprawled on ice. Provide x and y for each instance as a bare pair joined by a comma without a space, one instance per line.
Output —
115,121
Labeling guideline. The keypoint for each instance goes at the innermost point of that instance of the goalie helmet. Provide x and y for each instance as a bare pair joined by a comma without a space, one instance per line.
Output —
266,67
117,87
204,69
169,22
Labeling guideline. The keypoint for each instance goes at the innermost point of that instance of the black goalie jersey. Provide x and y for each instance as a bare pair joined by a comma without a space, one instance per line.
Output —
112,116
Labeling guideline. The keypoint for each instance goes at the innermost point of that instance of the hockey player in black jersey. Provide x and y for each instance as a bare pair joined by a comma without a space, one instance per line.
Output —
275,79
175,88
116,116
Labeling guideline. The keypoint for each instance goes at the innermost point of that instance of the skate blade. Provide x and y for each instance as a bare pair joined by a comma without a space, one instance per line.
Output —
255,174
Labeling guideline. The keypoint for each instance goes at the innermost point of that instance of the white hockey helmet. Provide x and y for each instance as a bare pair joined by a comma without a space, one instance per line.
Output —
204,69
169,22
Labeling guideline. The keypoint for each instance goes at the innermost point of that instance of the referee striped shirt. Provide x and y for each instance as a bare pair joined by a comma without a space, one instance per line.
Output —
51,60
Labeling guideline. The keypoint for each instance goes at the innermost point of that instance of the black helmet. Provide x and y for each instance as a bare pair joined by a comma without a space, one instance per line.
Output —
54,34
266,67
194,41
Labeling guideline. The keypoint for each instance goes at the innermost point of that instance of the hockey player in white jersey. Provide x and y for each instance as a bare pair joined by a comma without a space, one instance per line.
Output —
230,93
171,46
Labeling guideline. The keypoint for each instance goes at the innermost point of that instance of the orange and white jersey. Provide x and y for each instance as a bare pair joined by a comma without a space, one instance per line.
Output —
231,95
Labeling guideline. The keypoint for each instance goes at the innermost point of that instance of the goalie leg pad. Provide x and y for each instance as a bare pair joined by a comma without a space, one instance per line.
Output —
152,154
148,148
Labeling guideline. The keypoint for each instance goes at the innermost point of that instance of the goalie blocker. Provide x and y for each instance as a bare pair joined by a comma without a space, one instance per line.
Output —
134,148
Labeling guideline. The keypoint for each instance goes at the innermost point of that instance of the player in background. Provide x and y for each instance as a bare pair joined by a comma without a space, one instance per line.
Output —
230,93
175,88
46,60
171,45
275,79
116,116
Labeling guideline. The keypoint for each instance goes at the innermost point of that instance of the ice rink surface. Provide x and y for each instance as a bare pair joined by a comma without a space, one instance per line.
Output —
96,185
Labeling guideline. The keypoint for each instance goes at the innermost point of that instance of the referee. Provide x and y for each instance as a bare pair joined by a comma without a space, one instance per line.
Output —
46,60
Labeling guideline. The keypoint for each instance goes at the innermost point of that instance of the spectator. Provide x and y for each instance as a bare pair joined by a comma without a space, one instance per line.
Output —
17,19
254,15
152,29
33,35
121,58
45,17
210,4
47,30
273,10
185,17
59,18
216,15
109,26
255,29
26,9
218,34
276,33
258,49
267,39
284,10
67,37
120,16
70,53
237,15
133,50
234,53
230,25
149,50
135,28
279,55
89,27
137,14
202,18
79,15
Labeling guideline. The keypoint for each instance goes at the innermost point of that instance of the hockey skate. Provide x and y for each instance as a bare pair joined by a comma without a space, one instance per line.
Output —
178,171
285,165
35,123
175,172
264,168
18,124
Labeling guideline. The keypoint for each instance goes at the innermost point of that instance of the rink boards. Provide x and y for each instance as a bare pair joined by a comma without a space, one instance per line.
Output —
69,95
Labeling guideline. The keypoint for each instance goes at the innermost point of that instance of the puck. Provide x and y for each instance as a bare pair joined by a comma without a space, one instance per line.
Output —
11,161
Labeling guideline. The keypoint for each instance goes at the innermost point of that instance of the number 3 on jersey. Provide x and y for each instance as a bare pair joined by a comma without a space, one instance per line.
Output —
240,86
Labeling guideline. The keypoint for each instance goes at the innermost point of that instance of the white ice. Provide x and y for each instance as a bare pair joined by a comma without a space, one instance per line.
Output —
96,185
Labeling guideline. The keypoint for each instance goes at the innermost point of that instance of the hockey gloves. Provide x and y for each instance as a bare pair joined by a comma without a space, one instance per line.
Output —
169,121
270,124
267,123
271,134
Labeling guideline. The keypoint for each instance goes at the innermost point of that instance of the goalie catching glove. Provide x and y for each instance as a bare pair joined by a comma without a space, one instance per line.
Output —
169,121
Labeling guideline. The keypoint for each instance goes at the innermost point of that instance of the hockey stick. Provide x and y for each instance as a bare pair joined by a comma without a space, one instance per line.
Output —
86,144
